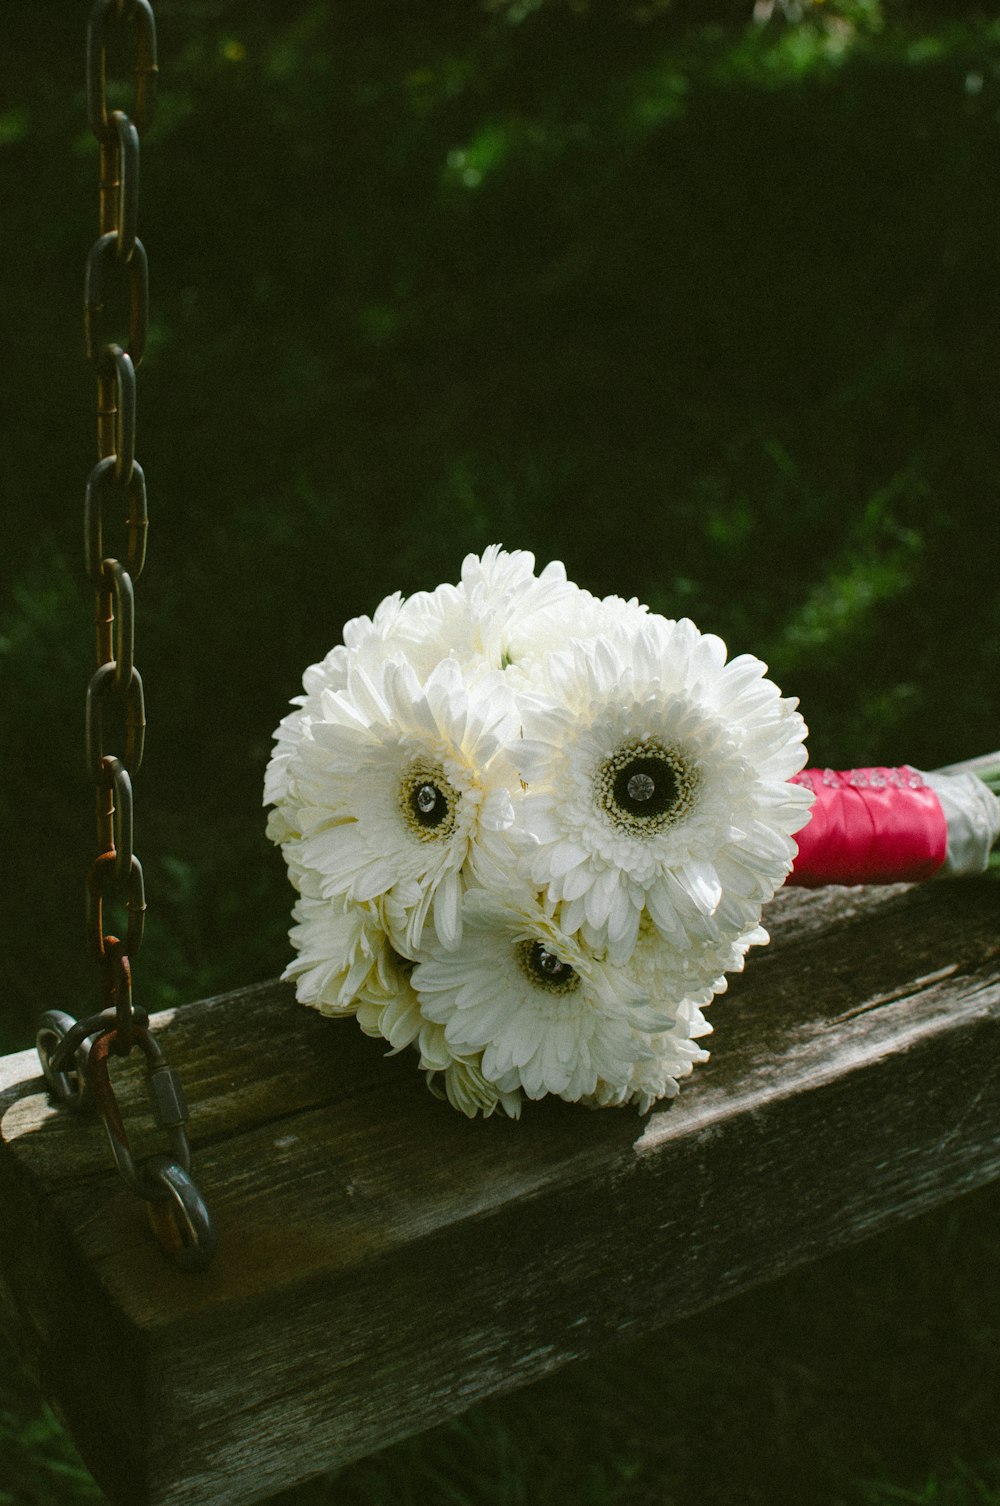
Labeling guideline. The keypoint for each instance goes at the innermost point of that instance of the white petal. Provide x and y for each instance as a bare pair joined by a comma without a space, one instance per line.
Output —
448,911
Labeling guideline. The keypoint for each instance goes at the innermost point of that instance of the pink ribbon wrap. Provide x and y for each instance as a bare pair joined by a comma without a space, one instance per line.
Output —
869,826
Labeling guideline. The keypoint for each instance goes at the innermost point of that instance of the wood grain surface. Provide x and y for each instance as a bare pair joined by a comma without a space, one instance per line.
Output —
384,1263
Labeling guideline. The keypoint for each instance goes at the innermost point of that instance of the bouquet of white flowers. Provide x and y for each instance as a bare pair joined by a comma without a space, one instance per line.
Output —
531,831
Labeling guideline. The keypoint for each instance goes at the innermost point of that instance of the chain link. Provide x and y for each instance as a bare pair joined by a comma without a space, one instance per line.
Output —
101,487
74,1054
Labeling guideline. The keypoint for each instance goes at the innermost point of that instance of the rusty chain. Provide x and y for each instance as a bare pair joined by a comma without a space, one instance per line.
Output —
74,1053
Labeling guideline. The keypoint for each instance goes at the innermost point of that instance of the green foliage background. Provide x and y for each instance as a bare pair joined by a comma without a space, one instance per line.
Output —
708,309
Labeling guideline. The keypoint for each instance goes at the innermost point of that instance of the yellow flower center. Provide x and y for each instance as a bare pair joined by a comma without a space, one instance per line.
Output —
427,802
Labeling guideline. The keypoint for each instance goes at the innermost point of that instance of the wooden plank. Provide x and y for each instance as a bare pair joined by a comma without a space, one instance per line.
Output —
384,1263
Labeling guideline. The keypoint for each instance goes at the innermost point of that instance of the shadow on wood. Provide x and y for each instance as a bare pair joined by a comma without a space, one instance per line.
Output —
384,1263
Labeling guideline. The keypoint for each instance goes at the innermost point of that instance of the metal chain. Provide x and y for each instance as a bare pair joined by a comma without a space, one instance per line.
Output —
74,1054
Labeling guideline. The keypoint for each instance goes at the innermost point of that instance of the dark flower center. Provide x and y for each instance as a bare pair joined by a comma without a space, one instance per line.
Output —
645,787
427,802
546,969
429,805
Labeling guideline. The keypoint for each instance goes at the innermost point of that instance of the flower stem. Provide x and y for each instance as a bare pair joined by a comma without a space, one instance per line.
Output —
991,777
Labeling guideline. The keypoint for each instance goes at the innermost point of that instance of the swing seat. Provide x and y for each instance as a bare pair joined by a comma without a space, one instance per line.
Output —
383,1263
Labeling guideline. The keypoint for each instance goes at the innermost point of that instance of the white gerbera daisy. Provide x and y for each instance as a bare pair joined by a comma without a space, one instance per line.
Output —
657,778
366,644
500,616
461,1080
684,982
342,950
497,599
556,623
546,1015
690,977
392,785
654,1078
388,1008
497,596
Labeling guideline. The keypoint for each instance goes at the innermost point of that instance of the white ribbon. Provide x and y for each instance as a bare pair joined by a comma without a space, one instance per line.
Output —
972,812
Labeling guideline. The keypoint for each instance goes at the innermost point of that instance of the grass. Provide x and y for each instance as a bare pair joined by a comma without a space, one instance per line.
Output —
39,1465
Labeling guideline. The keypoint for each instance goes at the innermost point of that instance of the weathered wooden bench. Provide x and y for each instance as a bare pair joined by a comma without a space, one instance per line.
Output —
384,1263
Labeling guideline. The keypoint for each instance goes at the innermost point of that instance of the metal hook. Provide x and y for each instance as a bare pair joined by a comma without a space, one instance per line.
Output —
60,1040
179,1217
